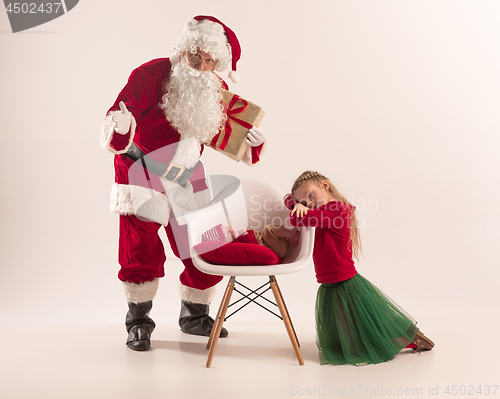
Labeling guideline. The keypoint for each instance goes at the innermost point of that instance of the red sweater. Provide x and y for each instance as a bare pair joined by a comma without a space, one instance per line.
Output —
332,255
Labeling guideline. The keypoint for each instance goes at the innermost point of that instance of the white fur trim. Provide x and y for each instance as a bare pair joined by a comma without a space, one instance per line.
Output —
108,130
195,295
139,293
187,153
234,76
135,200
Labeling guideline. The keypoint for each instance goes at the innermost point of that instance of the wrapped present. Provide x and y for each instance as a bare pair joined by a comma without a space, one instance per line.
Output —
241,116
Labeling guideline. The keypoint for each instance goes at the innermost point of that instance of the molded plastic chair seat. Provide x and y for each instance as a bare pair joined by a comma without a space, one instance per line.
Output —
251,204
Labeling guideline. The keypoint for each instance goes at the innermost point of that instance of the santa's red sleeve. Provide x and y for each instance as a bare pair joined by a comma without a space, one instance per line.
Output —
252,154
136,97
256,151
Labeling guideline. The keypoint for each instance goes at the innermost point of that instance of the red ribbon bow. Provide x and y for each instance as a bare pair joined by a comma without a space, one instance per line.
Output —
230,112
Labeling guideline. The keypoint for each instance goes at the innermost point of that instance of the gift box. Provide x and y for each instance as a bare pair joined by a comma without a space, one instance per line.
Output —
241,116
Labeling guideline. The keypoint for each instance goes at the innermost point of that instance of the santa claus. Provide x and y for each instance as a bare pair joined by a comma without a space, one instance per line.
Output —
168,109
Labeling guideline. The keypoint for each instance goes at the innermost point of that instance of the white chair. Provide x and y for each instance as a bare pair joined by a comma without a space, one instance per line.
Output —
251,204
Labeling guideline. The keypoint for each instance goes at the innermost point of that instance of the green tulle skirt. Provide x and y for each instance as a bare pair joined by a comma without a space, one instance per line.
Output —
358,324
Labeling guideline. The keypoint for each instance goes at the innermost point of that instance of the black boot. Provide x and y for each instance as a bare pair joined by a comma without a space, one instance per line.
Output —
194,320
139,326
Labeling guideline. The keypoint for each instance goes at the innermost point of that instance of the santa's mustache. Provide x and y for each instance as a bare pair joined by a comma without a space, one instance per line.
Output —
202,78
195,72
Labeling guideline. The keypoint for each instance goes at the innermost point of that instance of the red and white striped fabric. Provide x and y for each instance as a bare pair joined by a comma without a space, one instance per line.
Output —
214,234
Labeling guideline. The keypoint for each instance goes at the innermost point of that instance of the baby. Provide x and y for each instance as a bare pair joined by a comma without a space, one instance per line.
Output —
276,238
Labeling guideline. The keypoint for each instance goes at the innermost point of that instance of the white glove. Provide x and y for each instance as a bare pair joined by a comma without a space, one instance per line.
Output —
122,119
256,136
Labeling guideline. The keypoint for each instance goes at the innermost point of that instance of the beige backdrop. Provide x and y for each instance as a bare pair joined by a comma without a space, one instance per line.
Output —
396,101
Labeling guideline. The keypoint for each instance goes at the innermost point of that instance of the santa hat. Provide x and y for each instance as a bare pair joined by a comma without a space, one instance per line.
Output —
212,36
233,43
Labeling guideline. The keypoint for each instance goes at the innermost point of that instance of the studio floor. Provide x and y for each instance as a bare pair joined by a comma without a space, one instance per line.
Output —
62,353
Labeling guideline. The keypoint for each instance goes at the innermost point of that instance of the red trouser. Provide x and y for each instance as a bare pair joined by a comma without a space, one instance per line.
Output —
141,254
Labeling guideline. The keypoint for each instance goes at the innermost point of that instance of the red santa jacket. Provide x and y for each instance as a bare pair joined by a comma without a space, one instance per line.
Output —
153,134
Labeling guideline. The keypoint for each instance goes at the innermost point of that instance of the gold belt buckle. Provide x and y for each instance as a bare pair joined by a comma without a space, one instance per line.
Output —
179,173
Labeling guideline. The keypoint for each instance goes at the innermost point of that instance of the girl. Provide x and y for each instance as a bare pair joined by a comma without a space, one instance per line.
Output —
356,323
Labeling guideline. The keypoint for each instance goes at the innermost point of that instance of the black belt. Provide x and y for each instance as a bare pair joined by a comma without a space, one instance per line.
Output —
172,172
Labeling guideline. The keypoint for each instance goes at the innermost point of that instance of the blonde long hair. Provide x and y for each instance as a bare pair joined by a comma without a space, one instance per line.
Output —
316,178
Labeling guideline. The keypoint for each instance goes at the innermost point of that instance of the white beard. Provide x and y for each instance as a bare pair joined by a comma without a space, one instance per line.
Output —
192,103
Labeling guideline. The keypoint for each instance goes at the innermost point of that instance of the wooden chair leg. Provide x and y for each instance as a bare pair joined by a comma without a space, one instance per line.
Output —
289,318
286,318
214,336
217,318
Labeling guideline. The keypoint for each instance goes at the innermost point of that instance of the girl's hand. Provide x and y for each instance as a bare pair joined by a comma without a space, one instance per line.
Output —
299,209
